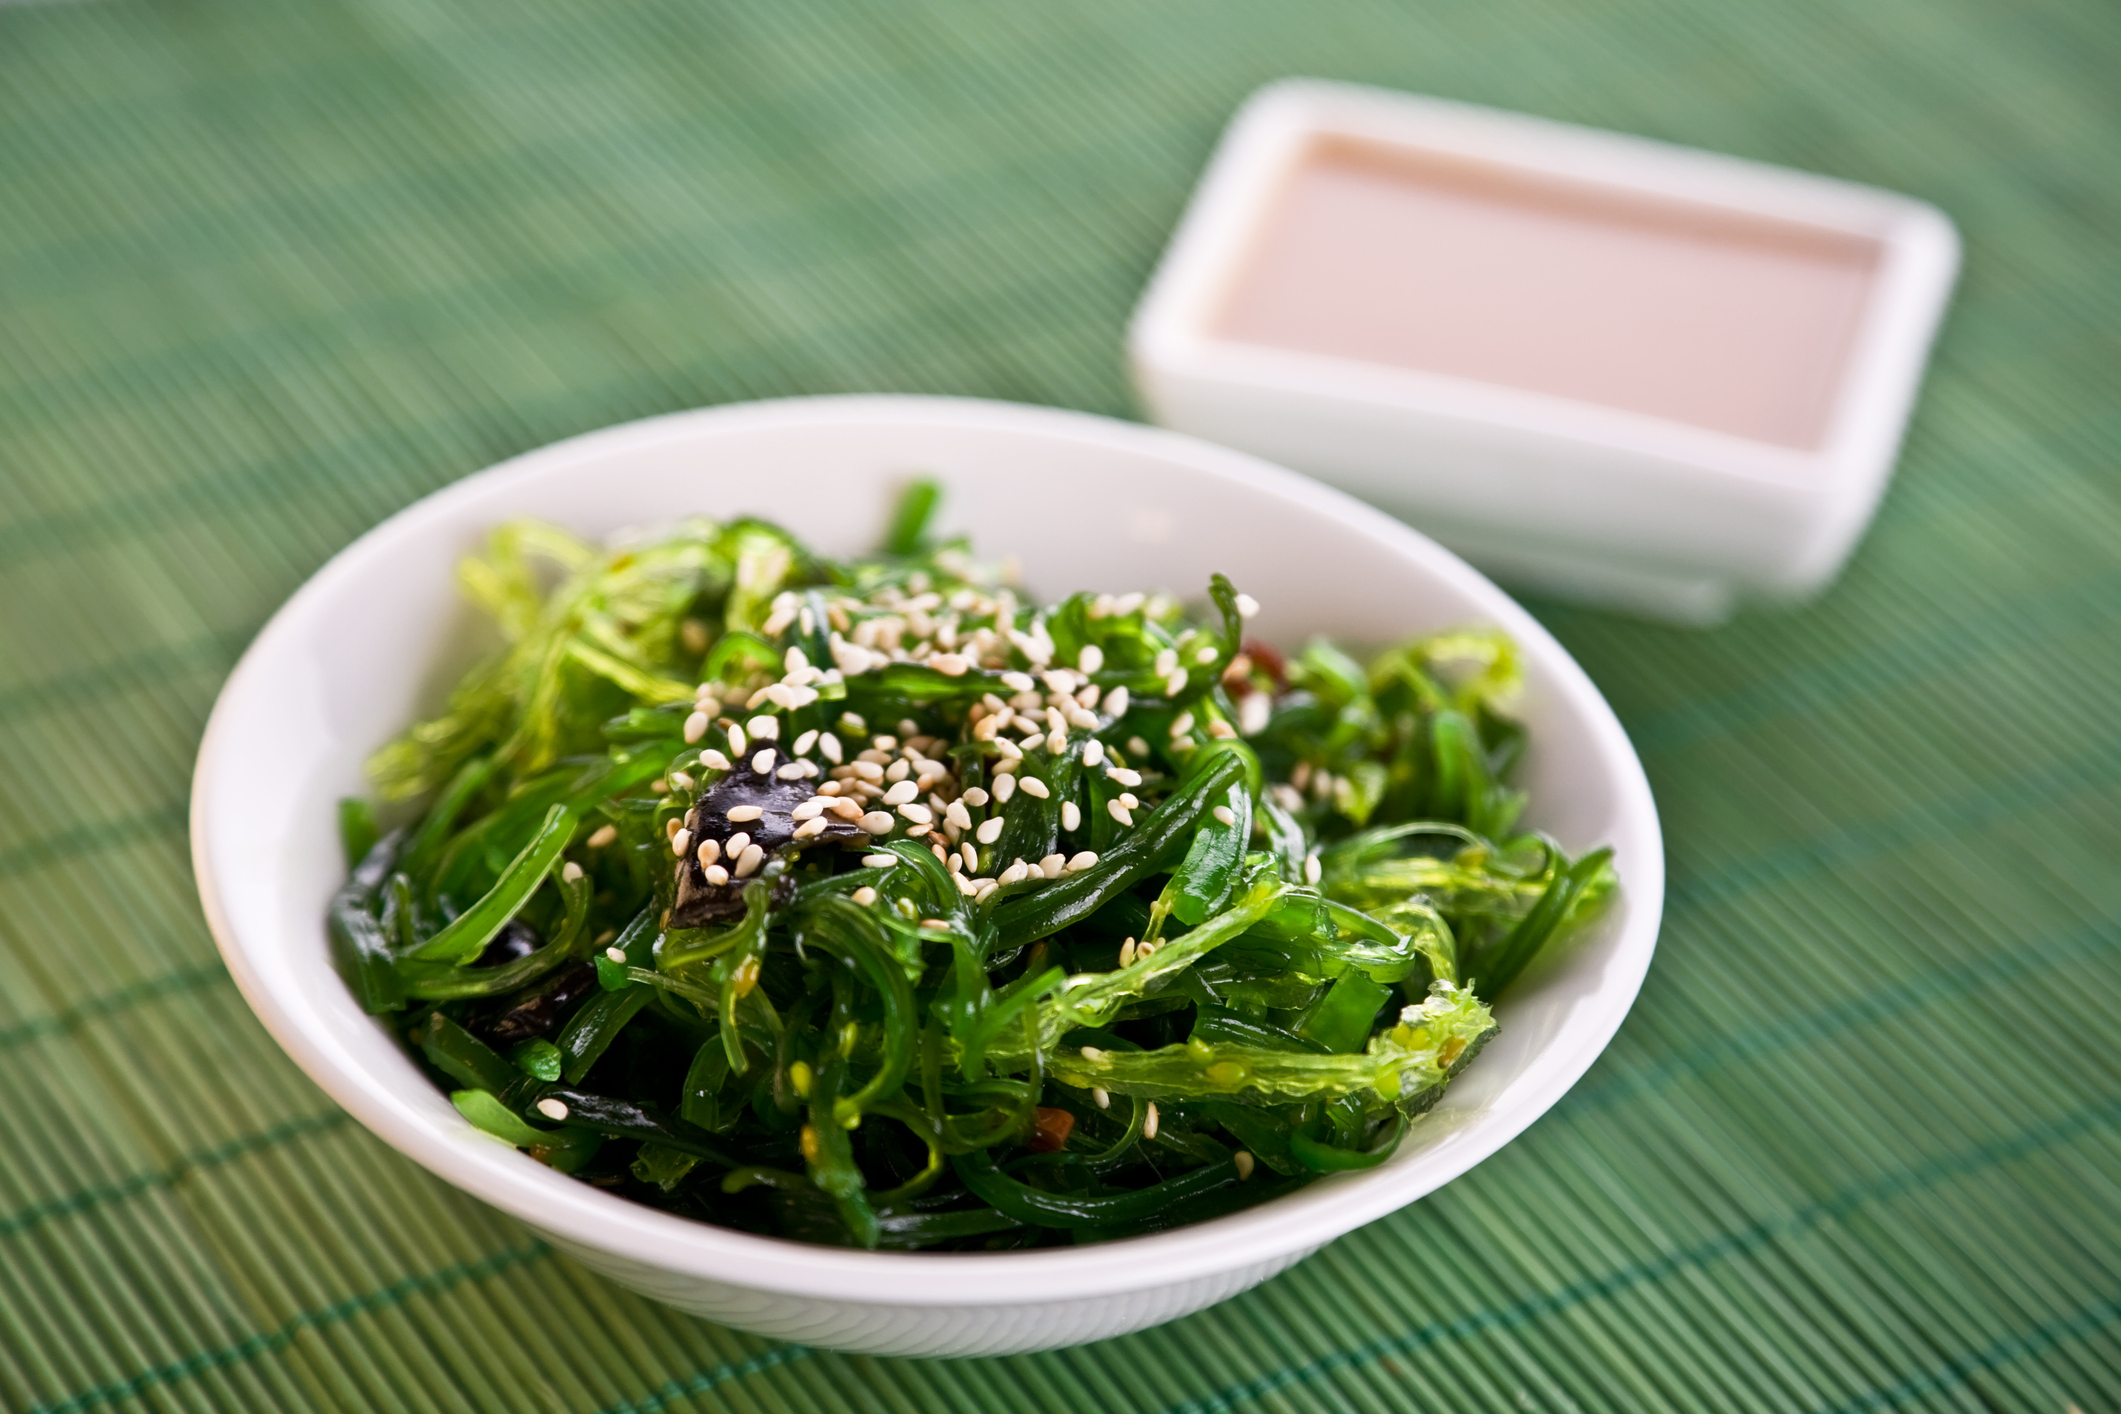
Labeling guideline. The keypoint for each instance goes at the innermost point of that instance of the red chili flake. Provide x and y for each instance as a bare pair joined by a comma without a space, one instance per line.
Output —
1050,1130
1269,662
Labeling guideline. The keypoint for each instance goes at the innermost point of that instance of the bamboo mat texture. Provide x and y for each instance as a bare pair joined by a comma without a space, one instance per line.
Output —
270,271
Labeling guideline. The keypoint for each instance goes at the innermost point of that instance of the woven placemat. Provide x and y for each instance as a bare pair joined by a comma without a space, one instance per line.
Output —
270,271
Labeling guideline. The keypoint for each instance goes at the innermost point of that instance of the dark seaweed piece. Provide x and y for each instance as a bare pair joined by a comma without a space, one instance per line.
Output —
699,902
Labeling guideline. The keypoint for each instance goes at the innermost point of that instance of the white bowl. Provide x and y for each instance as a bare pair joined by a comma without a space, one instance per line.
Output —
1085,502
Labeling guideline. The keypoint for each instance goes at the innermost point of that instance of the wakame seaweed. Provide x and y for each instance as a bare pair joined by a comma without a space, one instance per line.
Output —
868,902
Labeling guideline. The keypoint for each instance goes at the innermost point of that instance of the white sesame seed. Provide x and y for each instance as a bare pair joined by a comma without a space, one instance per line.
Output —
1181,724
1018,682
1082,719
1035,787
1094,753
1015,873
1125,777
1071,816
1004,787
1116,701
737,740
617,955
704,700
762,760
1091,659
749,861
1100,1099
570,873
1126,798
1221,730
809,809
743,814
1057,740
1008,748
1092,1054
1149,1122
864,895
1032,742
708,852
810,828
989,830
958,815
1126,953
868,770
1082,861
1136,745
1313,870
681,843
901,793
1247,606
975,797
878,822
828,746
1143,950
879,861
794,659
604,836
673,825
898,770
1118,812
680,781
764,728
804,742
1175,684
918,814
552,1109
1166,661
780,694
970,856
734,845
795,770
1242,1161
1206,656
717,875
950,665
1052,865
1225,814
982,888
695,727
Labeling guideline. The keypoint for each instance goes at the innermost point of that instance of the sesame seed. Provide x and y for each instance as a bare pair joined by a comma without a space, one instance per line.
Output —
950,665
878,822
714,760
1057,740
1126,798
570,873
989,830
1143,950
780,694
971,857
695,727
1032,742
1175,684
864,895
901,793
659,787
1071,816
1126,953
828,746
804,742
1149,1122
794,770
1100,1099
1052,865
681,843
743,814
672,826
1004,787
935,923
1033,786
809,809
680,781
1091,659
552,1109
764,728
794,659
617,955
958,815
853,723
1094,753
811,828
1116,701
1124,776
1082,861
1136,745
705,701
604,836
734,845
1015,873
975,797
918,814
1206,655
898,770
982,888
717,875
846,809
737,740
1018,682
879,861
709,851
1181,724
1313,870
1247,606
1226,815
868,771
1242,1162
1118,812
762,761
749,861
1166,661
1221,730
1092,1054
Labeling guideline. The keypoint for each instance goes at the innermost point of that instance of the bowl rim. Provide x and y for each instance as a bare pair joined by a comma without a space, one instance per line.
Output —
578,1215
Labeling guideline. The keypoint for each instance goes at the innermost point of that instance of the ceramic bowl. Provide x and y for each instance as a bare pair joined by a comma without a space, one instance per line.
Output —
376,637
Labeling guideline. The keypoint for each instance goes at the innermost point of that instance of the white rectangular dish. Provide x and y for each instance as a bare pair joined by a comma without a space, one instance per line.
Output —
1595,364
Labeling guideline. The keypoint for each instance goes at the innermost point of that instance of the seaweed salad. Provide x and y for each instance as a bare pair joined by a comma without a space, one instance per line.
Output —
868,902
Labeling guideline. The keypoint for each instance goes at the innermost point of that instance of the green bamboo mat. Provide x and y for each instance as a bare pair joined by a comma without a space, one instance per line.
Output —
269,272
